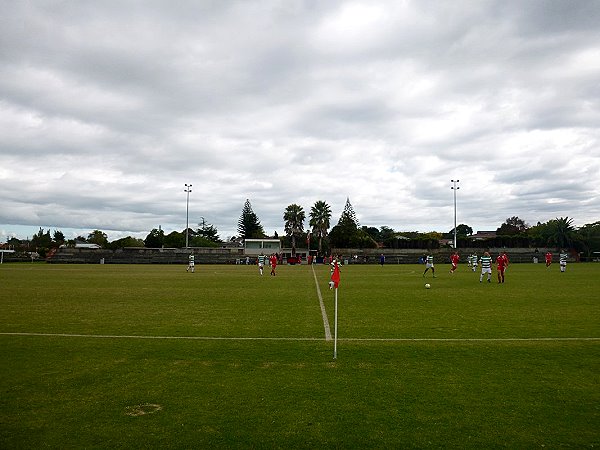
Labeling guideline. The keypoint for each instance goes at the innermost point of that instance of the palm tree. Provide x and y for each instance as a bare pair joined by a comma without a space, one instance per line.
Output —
320,215
294,222
562,232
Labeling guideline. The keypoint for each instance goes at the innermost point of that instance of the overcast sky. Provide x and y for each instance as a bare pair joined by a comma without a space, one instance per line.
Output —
107,108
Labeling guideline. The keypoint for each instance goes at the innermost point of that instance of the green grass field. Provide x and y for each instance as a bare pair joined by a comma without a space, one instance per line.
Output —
115,356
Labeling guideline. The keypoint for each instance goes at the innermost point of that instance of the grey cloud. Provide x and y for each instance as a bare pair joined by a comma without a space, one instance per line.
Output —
111,107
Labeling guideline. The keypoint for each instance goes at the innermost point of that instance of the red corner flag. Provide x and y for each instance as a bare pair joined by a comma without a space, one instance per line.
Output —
335,276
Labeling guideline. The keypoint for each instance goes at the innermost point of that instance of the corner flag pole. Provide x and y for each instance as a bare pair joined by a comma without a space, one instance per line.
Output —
335,327
335,280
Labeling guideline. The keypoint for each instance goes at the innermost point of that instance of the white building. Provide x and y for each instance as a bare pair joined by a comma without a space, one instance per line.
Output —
254,247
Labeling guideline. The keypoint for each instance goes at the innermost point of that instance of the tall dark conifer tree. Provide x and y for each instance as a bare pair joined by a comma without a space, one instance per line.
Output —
346,230
249,226
348,217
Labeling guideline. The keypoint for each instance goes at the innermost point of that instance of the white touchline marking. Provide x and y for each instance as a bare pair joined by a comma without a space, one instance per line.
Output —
323,312
224,338
474,339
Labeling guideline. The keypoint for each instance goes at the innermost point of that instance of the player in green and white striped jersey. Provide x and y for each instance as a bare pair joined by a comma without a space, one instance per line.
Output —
473,261
429,265
562,260
191,264
486,267
261,262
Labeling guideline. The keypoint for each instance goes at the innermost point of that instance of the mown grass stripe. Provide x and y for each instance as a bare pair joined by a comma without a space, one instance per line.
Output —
259,338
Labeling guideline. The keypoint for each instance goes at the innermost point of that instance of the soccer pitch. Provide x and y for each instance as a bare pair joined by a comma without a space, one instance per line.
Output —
119,356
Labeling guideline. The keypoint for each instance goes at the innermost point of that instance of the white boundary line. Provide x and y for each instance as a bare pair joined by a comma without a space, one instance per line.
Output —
323,311
540,339
222,338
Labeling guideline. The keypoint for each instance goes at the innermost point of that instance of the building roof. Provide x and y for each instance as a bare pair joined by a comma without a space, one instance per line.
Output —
483,235
82,245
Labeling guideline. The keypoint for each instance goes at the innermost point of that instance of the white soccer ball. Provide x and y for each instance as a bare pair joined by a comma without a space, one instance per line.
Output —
427,286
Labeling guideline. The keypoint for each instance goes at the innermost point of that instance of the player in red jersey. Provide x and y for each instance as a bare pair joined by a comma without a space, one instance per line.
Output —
273,261
501,262
454,260
548,259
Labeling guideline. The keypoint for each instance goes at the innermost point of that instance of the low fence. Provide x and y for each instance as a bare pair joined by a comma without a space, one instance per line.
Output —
212,255
141,255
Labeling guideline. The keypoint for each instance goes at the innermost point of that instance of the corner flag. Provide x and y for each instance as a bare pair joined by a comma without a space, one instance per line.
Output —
335,276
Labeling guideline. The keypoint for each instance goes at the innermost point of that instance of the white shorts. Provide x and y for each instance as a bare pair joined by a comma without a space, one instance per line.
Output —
486,270
428,266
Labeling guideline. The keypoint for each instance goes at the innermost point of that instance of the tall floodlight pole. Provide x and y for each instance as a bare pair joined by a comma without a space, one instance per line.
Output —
187,190
455,188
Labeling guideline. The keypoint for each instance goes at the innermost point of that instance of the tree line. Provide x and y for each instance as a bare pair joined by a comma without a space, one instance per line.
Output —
514,232
347,233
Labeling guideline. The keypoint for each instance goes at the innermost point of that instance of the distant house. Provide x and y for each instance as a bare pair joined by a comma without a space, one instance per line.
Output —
235,243
483,235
